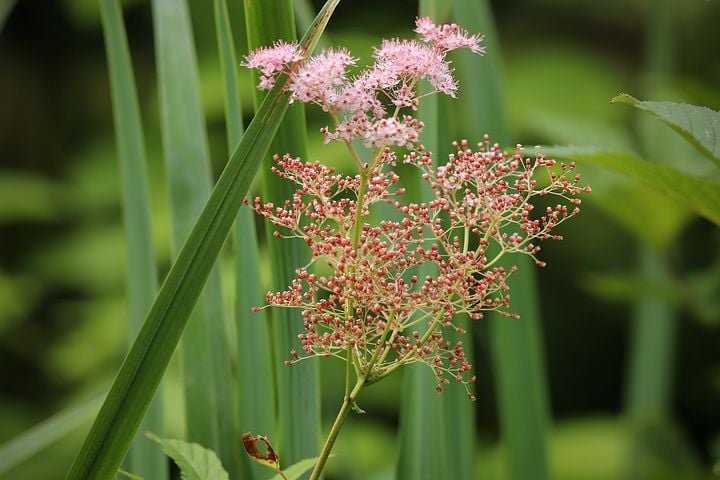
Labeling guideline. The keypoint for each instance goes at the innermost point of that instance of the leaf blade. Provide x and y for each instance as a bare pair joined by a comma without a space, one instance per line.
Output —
698,125
517,346
195,461
297,387
32,441
296,470
700,195
209,411
138,378
141,270
254,367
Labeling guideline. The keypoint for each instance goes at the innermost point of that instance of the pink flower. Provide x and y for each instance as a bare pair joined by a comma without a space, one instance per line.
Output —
448,37
407,62
272,60
318,79
390,290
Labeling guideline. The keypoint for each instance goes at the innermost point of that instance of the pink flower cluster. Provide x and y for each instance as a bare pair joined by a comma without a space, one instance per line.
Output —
367,104
380,296
416,274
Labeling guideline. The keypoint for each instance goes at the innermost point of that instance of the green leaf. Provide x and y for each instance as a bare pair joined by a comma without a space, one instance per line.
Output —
296,470
649,384
436,430
141,269
517,346
138,378
520,370
129,475
254,367
209,403
34,440
195,461
297,386
700,195
699,125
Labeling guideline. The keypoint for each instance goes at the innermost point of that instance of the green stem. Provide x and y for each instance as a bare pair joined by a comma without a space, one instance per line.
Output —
335,430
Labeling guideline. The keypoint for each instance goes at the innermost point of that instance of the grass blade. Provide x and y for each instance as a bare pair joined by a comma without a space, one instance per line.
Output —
436,431
254,367
517,345
423,449
655,323
39,437
649,382
209,402
298,391
138,378
141,273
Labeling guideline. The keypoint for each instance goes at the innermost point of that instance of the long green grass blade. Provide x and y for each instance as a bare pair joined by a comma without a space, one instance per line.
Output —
304,15
254,367
141,273
517,344
436,430
209,403
648,394
298,395
654,323
423,449
138,378
46,433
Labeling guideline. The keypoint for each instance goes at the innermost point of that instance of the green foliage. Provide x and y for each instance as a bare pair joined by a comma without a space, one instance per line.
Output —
698,125
209,399
700,195
518,353
296,470
145,364
253,363
141,267
49,431
195,461
298,387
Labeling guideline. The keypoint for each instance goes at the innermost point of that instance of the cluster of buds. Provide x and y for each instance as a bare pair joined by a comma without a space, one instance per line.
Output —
393,288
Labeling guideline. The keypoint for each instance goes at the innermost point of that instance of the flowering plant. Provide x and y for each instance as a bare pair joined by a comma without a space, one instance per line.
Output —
395,286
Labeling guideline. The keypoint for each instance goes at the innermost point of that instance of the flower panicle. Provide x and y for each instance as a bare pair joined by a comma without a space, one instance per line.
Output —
417,273
382,295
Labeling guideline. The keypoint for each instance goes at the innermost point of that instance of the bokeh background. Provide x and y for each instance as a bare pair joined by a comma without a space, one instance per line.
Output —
63,327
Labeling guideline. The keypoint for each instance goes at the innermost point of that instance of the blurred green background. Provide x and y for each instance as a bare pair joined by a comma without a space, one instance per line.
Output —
63,327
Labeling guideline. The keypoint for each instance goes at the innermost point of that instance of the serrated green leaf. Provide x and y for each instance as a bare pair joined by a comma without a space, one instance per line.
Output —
138,378
700,195
195,461
297,470
699,125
